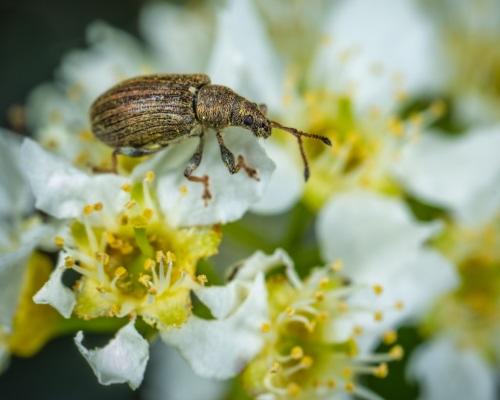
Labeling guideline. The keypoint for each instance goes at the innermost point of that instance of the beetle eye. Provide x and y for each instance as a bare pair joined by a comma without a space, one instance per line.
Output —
248,121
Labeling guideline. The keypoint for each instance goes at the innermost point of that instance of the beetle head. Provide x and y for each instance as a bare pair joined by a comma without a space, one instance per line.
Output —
251,116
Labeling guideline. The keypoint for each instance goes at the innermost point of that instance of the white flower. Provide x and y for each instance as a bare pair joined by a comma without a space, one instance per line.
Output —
369,60
462,175
20,265
380,243
448,372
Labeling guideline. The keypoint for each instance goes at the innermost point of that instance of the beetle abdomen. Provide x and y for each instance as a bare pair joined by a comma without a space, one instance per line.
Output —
154,109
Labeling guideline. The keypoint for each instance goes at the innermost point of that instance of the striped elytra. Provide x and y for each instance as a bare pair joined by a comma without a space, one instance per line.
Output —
147,110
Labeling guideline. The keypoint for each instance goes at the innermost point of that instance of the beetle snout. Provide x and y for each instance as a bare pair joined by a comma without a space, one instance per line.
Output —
262,130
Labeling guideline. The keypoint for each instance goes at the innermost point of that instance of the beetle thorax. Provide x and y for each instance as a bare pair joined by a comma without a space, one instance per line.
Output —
215,105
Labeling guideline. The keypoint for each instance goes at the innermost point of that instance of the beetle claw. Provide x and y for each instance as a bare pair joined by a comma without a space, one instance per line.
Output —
251,172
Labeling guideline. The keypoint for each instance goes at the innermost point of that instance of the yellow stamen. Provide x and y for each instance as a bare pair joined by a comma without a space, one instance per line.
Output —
149,264
265,327
148,213
390,337
319,296
59,241
378,316
349,387
381,371
202,279
378,289
397,352
88,209
126,187
120,272
297,353
276,367
337,266
150,176
98,206
69,261
306,361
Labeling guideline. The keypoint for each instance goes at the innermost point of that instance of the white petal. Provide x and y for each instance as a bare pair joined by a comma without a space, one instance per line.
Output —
447,372
15,196
261,262
55,293
462,173
62,190
220,349
170,377
224,300
232,195
112,56
122,360
243,58
379,242
181,37
286,185
414,56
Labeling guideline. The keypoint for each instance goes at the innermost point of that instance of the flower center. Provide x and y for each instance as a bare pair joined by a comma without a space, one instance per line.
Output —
364,144
303,356
471,311
132,259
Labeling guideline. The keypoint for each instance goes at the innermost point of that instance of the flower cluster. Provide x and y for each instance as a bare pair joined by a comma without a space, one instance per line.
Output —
405,207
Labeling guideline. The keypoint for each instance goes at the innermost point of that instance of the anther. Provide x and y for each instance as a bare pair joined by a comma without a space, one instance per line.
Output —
390,337
275,368
306,362
69,261
297,353
149,177
126,187
324,282
265,327
148,213
98,206
88,209
337,266
59,241
397,352
159,256
381,371
202,279
378,316
149,264
120,272
319,296
377,289
349,387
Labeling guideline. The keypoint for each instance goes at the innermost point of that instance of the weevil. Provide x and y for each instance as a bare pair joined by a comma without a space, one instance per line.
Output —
143,115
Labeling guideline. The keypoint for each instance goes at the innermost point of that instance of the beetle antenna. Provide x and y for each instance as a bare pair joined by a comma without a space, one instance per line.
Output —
299,135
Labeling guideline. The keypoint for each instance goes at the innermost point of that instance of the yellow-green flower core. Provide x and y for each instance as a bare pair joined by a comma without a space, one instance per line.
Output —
303,356
472,312
364,144
134,263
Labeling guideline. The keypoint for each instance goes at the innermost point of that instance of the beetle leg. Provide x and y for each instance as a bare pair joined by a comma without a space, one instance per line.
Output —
228,159
194,163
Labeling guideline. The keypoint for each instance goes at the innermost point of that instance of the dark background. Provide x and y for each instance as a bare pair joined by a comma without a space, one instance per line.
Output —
34,35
